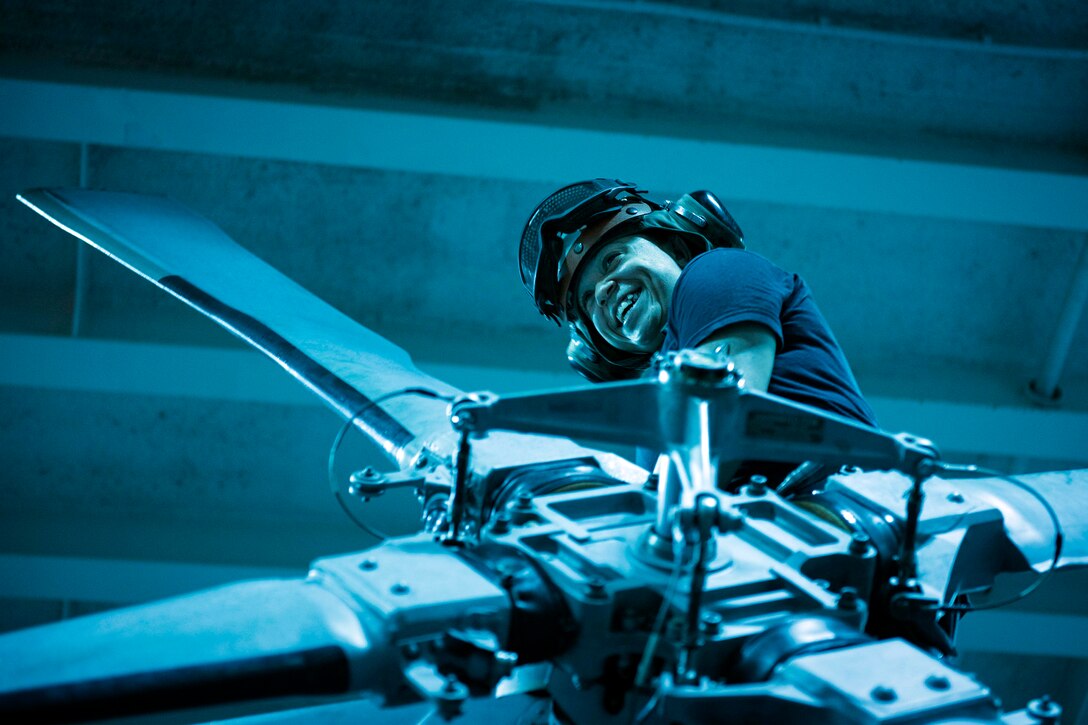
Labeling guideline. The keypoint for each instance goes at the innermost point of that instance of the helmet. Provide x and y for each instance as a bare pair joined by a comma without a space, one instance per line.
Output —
566,227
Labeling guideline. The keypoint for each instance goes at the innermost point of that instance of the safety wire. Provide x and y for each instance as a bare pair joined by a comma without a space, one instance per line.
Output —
423,392
1059,538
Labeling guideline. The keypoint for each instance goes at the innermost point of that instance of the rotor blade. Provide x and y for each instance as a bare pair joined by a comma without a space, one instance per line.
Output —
356,372
258,639
1029,523
346,365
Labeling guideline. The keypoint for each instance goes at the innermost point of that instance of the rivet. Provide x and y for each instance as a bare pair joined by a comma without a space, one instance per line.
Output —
578,248
938,682
881,693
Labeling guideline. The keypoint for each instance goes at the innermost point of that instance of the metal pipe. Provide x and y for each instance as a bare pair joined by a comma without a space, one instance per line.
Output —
1046,385
669,488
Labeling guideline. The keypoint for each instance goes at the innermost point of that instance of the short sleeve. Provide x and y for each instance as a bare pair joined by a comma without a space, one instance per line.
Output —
725,287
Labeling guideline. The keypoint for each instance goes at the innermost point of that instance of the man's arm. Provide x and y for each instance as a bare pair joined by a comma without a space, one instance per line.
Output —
751,347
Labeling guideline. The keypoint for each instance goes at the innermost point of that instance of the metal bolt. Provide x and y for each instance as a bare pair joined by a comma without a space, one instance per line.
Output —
848,598
500,524
938,682
596,589
450,697
462,420
578,248
859,544
400,588
1045,710
757,486
505,662
881,693
422,461
955,497
712,622
368,565
524,501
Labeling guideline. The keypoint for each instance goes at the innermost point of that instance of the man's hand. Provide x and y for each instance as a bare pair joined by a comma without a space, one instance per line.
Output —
750,346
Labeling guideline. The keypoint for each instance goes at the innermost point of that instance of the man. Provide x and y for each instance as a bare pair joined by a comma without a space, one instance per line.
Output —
632,277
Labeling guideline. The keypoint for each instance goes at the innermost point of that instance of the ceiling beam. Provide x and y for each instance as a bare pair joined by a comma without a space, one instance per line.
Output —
522,152
128,368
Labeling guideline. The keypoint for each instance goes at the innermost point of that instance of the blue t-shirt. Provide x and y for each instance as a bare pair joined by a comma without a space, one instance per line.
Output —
728,286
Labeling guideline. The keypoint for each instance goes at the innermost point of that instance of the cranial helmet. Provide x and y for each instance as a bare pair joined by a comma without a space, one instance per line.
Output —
565,228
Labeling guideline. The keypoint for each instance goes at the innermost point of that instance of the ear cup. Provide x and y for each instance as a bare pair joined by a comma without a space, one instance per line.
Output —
707,216
593,366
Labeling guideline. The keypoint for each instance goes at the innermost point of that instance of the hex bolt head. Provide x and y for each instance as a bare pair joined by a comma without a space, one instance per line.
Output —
859,544
848,598
524,501
400,588
882,693
938,682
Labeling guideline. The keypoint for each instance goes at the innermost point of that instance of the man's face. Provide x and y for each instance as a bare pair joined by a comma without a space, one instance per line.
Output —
624,291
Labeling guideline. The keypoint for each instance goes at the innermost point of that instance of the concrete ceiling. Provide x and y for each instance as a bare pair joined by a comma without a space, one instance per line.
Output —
924,166
988,82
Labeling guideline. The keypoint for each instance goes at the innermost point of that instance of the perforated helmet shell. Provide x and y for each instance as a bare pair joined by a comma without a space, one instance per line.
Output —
553,233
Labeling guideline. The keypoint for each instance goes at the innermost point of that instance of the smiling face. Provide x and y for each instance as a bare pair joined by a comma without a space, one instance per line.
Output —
624,291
